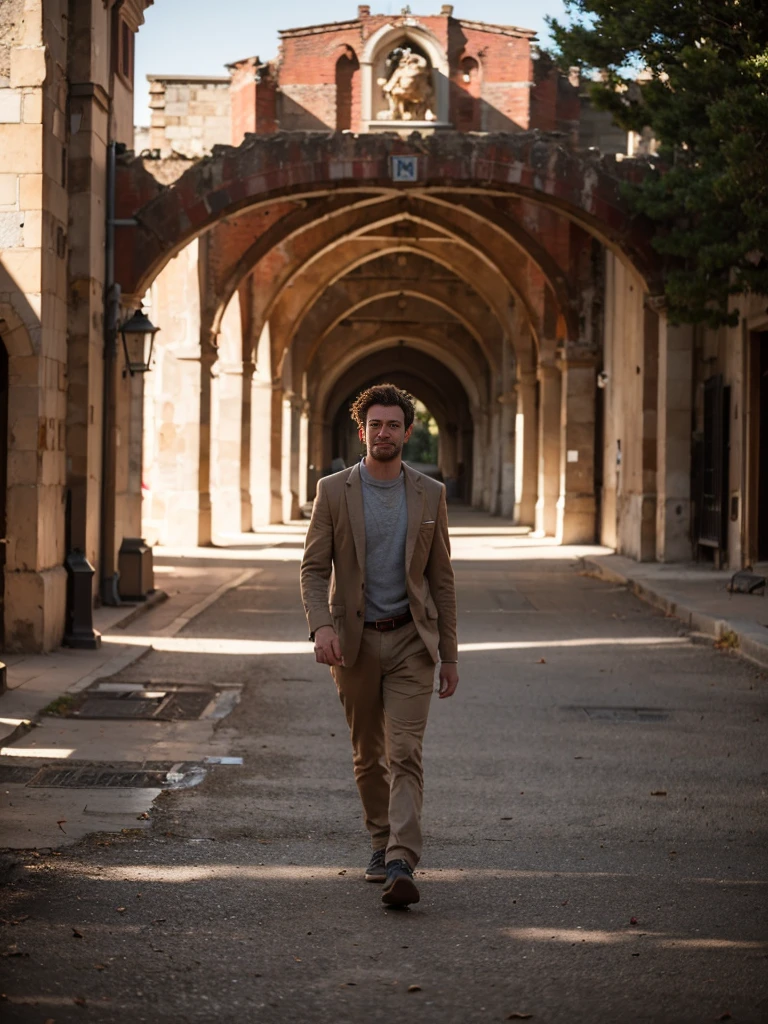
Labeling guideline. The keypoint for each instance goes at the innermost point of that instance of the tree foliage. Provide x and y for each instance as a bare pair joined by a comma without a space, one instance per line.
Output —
696,73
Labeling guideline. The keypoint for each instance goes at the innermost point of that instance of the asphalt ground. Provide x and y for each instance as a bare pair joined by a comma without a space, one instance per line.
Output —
582,863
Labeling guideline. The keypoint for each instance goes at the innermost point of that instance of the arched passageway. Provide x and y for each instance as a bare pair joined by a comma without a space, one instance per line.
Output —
295,270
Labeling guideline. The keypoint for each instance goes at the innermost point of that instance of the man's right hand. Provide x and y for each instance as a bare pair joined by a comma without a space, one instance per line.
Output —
327,646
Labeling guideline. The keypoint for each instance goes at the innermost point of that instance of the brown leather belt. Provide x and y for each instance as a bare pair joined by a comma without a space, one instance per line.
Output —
385,625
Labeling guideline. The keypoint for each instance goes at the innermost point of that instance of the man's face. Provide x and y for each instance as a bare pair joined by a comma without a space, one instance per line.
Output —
385,432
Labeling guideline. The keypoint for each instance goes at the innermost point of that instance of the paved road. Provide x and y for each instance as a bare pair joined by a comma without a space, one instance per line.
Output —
578,867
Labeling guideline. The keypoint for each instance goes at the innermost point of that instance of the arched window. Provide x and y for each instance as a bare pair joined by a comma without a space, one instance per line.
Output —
346,66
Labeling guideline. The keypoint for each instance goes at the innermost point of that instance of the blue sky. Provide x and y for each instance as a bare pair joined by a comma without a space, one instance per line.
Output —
198,37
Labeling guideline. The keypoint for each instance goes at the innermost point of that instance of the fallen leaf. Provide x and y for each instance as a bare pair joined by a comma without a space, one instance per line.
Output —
79,1001
658,792
519,1016
506,819
633,920
142,817
62,822
343,871
159,920
564,903
14,951
348,984
100,967
18,920
121,910
414,988
76,934
297,959
542,661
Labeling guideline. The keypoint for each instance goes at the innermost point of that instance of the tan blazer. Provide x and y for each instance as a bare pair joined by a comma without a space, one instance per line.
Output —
333,567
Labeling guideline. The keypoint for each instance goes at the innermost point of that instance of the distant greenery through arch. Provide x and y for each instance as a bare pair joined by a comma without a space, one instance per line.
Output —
422,447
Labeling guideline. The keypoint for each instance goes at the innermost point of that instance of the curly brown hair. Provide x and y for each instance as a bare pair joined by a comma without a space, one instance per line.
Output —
382,394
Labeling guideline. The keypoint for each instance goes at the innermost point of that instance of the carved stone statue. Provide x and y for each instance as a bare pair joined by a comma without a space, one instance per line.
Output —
408,90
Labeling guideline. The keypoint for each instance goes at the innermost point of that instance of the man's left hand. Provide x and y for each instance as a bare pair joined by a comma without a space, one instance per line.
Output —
449,679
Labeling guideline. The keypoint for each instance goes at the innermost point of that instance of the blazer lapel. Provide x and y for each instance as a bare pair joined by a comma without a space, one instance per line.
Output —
354,493
414,496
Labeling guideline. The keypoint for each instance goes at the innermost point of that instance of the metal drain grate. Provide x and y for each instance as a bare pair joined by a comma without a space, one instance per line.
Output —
95,777
626,714
17,773
157,701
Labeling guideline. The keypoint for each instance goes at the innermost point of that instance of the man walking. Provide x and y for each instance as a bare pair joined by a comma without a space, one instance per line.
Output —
379,595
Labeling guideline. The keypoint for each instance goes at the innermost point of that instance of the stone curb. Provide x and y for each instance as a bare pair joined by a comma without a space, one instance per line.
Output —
752,641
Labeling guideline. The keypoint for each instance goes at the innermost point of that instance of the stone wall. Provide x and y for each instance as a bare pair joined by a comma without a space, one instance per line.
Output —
190,114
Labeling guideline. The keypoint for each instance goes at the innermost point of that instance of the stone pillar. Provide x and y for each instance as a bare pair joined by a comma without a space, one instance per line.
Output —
204,509
526,450
227,416
276,454
246,414
673,505
508,400
549,450
303,487
291,416
576,506
260,487
480,441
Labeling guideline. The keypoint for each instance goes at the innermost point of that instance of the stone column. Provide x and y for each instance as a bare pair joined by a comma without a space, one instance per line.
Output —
526,450
303,485
246,414
576,505
508,400
549,450
204,510
260,488
276,454
673,505
479,456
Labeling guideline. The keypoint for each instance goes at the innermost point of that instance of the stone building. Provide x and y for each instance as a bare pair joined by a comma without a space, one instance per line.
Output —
411,197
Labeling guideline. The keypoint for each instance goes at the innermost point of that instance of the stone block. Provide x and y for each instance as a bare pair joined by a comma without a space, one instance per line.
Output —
24,435
10,106
32,228
21,148
27,66
31,191
24,266
11,230
9,189
35,609
33,106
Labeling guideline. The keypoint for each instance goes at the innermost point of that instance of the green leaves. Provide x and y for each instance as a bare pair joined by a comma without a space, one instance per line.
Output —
696,73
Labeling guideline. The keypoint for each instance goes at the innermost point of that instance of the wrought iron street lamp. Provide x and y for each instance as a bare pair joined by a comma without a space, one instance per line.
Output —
138,334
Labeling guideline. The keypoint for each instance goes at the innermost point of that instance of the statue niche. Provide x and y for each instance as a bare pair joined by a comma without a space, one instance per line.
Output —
408,87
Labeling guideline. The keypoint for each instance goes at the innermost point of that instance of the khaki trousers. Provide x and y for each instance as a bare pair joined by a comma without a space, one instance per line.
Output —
386,697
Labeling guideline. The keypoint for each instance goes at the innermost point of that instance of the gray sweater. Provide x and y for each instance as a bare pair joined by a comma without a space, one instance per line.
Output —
386,526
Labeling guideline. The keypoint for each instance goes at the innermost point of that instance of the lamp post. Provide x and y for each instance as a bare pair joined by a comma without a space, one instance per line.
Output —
138,334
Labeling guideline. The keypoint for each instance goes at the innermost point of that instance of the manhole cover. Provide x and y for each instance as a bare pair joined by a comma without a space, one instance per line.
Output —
626,714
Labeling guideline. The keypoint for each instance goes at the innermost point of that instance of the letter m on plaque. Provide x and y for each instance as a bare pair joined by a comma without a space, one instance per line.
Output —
404,168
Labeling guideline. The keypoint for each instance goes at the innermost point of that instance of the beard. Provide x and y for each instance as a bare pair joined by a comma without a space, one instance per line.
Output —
385,452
